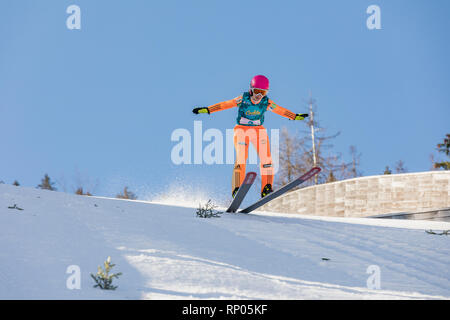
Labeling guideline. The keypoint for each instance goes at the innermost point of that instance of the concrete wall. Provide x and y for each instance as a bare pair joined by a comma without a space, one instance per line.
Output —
369,196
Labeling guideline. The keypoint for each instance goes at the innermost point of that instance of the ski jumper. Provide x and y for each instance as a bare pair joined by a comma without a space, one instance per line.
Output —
249,129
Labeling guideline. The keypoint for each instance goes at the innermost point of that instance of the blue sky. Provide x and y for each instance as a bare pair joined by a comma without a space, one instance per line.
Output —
100,104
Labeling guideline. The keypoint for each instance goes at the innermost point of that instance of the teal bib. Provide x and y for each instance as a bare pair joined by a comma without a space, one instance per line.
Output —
250,114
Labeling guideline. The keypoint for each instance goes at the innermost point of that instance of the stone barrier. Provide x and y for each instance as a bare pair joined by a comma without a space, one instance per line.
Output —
369,196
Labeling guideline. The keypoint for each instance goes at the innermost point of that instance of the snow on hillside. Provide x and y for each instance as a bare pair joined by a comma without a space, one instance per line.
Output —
166,252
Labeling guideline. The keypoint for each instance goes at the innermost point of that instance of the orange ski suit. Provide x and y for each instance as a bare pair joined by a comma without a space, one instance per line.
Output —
257,136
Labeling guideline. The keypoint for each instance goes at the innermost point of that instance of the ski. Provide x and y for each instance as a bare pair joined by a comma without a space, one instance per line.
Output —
243,189
311,173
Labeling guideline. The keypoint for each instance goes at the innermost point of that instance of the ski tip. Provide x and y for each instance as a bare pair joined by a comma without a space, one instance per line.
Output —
310,173
250,178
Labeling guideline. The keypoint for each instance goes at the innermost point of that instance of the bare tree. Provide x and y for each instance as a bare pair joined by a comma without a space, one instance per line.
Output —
314,152
400,167
348,170
126,194
83,184
318,152
312,125
81,192
299,153
433,161
290,158
356,161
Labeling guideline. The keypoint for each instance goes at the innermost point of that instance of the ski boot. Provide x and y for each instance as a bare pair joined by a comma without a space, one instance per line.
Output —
235,191
266,190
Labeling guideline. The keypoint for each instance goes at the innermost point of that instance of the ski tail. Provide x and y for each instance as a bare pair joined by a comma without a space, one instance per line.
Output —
242,192
308,175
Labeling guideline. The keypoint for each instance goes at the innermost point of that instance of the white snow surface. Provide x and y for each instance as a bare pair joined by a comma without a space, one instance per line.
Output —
166,252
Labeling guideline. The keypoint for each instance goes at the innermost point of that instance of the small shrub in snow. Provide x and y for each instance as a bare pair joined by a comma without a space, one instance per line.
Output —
15,207
80,192
103,279
207,211
445,232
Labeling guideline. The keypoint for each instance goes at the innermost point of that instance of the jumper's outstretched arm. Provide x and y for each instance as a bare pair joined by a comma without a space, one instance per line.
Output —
219,106
285,112
224,105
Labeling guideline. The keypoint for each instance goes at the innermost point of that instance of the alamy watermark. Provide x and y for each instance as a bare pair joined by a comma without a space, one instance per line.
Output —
74,280
214,147
373,22
74,20
374,280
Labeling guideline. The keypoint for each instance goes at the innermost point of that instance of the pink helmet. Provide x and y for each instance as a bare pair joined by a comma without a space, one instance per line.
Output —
259,82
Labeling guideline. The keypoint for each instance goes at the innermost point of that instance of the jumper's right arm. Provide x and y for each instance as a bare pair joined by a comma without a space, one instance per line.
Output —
219,106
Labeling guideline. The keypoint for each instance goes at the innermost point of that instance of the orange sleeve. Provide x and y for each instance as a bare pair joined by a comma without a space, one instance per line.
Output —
225,105
280,110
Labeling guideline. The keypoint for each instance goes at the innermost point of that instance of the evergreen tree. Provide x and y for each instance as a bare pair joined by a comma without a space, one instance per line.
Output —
103,279
387,170
208,211
444,148
331,177
16,183
47,184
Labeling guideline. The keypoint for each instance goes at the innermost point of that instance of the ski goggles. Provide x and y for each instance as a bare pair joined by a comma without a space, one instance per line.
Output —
259,92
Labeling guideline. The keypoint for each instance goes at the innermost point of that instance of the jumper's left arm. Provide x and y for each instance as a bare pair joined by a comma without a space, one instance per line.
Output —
280,110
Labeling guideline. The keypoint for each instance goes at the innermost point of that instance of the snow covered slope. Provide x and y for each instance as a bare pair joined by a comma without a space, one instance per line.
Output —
166,252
